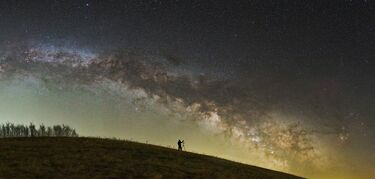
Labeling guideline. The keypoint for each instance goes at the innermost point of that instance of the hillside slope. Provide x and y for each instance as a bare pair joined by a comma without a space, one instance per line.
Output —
105,158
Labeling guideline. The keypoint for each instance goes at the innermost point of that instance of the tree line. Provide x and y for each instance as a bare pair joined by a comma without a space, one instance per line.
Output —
31,130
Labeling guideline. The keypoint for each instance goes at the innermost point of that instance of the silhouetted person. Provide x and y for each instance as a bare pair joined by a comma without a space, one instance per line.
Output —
179,143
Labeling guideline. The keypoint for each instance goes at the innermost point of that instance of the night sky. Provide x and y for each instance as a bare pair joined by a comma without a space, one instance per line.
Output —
286,85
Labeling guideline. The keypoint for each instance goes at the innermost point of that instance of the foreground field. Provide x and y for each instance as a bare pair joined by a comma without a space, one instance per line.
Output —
105,158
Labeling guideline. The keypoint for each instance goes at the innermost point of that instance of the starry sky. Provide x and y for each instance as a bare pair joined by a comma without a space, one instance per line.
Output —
286,85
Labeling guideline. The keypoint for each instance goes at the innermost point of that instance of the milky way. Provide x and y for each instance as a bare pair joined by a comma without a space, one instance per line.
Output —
242,112
283,85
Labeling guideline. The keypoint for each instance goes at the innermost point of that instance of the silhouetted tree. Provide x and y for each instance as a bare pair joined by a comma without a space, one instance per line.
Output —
74,133
49,131
32,130
42,130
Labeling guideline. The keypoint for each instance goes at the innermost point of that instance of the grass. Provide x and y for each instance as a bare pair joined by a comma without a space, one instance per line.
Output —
64,157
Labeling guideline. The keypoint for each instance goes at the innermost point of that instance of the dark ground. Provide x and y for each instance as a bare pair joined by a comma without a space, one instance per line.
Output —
105,158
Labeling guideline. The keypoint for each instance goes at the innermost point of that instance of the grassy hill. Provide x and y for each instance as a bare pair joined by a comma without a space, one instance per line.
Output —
105,158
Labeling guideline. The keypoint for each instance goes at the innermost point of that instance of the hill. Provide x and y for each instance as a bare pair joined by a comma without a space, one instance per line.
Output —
58,157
